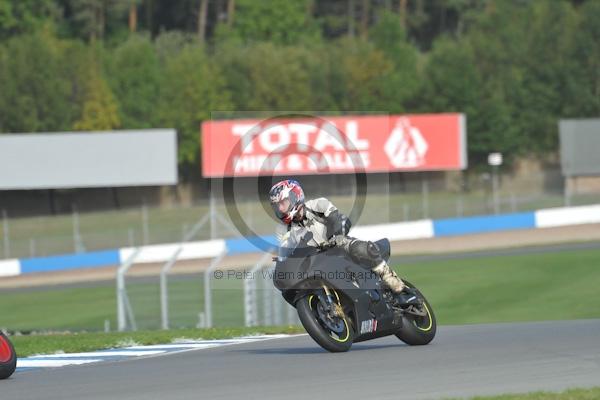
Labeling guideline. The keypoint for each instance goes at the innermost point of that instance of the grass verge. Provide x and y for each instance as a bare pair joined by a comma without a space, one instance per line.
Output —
79,342
573,394
511,288
507,288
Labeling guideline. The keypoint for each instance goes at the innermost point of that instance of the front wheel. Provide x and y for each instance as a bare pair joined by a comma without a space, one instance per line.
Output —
419,324
332,333
8,357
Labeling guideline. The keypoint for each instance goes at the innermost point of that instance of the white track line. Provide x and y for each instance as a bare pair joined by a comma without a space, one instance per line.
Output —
64,359
175,346
116,353
27,363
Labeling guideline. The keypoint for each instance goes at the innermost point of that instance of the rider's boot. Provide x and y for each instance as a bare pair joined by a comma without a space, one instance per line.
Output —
389,277
402,293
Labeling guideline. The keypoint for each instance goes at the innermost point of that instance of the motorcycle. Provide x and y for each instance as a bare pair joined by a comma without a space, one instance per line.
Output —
340,302
8,357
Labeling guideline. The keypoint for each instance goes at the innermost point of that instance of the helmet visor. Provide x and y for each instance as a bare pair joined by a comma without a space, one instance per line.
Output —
282,207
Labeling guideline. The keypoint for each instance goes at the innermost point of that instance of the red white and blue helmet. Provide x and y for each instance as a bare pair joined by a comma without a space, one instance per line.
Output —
288,189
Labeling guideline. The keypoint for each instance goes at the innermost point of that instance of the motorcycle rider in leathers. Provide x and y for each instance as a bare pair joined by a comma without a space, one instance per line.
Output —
329,227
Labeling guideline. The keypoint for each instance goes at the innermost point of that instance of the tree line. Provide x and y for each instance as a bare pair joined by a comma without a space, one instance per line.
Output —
513,67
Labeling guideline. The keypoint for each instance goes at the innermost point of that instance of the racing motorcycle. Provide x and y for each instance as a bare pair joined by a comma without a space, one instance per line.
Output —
8,357
339,302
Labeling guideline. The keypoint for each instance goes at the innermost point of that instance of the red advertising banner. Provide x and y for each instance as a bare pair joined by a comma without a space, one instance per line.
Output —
348,144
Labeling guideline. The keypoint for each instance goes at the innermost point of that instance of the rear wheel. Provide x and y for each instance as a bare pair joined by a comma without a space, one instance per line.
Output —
8,357
419,324
333,333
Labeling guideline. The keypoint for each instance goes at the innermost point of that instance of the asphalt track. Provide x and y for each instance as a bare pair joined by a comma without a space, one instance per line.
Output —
462,361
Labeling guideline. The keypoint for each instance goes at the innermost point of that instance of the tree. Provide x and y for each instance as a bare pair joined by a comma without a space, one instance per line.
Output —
389,36
583,85
99,106
26,16
134,78
359,76
271,77
36,88
453,83
169,44
93,15
499,55
133,15
276,21
192,87
549,38
202,15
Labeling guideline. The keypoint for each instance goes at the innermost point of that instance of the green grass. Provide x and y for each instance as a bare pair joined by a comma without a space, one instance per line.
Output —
534,287
80,342
87,308
573,394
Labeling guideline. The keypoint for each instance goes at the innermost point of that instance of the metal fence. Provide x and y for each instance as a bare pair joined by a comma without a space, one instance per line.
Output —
428,197
211,298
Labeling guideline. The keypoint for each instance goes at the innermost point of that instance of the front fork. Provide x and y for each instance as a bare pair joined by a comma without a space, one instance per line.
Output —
329,302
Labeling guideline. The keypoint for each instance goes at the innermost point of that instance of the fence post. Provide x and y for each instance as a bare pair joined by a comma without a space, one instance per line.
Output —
77,242
164,293
123,306
567,192
207,295
277,307
267,305
425,195
495,188
6,233
213,220
513,202
145,228
251,292
460,208
31,247
131,237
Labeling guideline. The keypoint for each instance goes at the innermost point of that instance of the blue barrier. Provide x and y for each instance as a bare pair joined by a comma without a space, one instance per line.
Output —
442,227
70,261
488,223
250,244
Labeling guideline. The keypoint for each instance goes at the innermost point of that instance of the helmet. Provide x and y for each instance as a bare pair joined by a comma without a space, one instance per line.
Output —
287,198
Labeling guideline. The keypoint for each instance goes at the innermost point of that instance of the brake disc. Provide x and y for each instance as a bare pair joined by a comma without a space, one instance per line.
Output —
334,323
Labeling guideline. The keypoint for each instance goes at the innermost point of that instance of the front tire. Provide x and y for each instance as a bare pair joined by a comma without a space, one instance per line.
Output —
335,342
418,331
8,357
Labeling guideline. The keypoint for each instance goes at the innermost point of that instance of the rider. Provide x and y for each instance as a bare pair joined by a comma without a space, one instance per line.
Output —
328,227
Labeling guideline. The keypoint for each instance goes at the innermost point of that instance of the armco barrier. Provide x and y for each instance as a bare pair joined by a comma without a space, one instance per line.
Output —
11,267
396,231
162,252
70,261
422,229
567,216
489,223
250,244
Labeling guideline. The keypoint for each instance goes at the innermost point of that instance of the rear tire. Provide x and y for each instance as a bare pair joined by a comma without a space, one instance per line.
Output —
418,331
320,334
8,357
